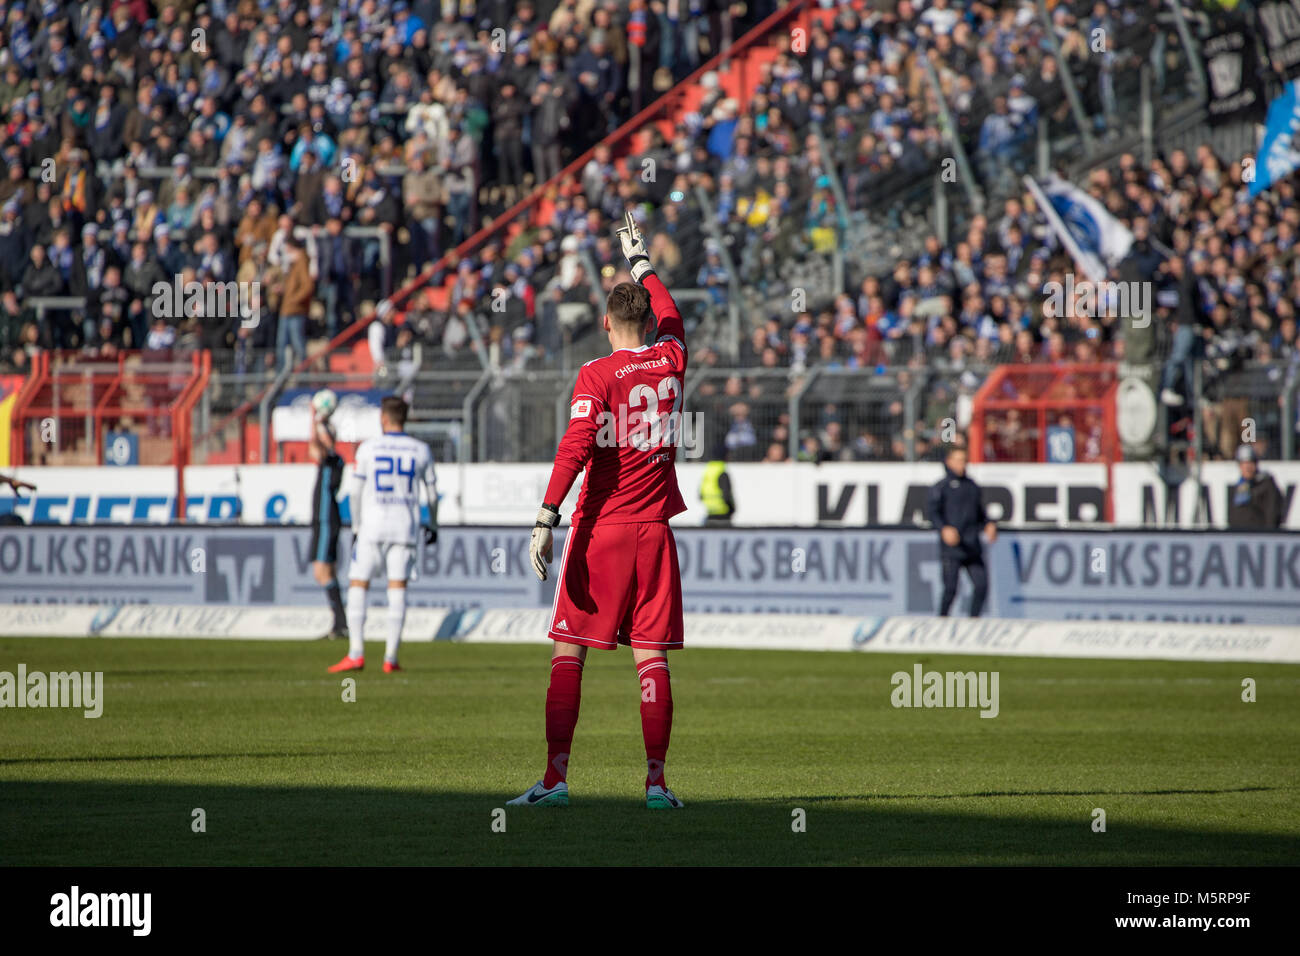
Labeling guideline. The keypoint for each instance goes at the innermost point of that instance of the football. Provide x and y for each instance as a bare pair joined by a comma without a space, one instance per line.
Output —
324,402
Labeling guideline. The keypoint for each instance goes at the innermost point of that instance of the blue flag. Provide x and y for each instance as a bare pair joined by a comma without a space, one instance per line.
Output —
1278,156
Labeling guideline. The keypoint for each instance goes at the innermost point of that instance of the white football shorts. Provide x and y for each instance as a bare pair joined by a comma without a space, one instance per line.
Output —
372,559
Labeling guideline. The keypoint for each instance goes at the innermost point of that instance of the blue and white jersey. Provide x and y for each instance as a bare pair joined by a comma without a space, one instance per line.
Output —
386,482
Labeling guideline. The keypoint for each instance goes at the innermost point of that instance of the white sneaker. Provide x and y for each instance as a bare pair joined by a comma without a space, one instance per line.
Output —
539,796
1170,397
661,798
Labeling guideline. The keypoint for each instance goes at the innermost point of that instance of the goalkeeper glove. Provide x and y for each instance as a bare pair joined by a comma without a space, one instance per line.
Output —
638,260
539,549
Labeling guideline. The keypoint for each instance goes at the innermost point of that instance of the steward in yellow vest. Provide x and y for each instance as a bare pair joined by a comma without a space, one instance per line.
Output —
715,493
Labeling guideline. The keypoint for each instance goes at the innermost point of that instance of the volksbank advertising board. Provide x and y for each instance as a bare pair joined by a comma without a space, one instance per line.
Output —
1210,577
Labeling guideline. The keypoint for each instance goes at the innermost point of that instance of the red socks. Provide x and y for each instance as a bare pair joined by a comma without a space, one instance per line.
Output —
656,716
564,695
562,699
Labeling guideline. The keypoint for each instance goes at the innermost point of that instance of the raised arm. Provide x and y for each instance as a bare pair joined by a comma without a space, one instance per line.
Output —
16,484
665,310
322,442
661,301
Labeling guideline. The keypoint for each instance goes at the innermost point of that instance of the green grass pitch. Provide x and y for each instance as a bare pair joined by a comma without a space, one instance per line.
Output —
258,736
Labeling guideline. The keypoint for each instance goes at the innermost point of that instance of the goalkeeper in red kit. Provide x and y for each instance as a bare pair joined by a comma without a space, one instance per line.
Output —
618,582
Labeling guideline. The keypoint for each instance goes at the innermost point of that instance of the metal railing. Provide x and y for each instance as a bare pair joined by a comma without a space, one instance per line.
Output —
818,412
1254,401
824,412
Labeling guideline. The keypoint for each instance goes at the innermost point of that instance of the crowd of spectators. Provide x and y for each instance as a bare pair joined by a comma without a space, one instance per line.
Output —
854,96
1224,284
419,119
315,118
242,140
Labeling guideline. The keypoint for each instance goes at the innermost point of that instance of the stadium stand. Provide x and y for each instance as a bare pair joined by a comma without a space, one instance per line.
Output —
422,194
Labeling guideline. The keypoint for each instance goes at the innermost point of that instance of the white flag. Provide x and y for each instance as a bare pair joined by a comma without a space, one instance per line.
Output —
1096,239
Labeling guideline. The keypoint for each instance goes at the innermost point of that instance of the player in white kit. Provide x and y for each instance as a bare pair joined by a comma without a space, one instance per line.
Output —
385,501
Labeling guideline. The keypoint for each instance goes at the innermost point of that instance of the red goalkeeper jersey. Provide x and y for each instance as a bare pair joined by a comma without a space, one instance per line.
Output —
624,427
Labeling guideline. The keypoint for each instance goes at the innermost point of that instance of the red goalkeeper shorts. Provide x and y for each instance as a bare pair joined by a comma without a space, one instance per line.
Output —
619,584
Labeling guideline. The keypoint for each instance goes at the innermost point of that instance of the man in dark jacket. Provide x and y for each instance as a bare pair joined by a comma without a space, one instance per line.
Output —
956,509
1256,502
340,266
550,119
15,243
1188,344
508,123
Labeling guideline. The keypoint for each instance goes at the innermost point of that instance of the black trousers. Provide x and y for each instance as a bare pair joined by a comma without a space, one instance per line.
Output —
979,579
510,171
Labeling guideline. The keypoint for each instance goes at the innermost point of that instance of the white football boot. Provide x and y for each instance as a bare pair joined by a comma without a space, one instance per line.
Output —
539,796
661,798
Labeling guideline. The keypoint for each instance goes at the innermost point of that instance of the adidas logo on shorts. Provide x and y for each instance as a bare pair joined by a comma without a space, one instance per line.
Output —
562,626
